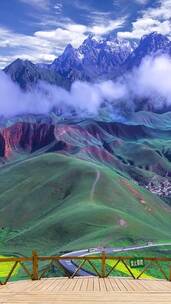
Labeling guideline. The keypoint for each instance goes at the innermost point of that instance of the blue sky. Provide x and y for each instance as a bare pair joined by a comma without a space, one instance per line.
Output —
39,30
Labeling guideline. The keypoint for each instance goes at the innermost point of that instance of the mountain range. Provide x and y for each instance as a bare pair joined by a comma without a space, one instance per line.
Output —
93,60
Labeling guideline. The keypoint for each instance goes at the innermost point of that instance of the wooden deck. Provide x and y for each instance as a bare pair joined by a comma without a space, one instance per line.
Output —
86,290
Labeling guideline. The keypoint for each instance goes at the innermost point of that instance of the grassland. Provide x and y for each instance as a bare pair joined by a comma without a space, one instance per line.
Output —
47,204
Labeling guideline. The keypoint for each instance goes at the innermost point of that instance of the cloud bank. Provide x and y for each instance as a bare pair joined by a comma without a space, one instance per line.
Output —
83,96
151,82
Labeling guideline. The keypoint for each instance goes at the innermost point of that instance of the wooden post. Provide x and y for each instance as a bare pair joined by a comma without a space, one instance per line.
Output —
170,274
103,264
35,274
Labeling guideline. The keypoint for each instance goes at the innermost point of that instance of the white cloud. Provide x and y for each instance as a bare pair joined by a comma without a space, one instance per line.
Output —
58,7
153,19
147,77
16,102
99,17
102,29
72,33
142,1
39,4
26,47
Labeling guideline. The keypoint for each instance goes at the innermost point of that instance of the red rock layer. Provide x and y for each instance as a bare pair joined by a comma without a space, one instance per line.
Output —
29,137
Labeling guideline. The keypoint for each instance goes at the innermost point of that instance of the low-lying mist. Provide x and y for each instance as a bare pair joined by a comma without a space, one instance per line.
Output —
151,81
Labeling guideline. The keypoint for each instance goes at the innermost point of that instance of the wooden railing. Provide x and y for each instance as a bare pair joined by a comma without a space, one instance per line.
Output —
37,272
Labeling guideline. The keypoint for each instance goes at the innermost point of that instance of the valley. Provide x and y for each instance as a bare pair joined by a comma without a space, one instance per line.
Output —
82,184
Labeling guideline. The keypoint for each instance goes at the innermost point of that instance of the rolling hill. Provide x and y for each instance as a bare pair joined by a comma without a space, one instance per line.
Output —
54,202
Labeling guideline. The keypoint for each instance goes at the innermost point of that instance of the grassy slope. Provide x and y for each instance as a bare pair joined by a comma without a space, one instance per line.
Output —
46,203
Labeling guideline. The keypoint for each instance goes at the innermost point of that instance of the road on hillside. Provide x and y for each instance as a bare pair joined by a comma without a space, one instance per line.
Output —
94,185
71,268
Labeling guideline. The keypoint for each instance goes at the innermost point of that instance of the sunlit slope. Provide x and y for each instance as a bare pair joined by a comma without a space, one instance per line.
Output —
54,202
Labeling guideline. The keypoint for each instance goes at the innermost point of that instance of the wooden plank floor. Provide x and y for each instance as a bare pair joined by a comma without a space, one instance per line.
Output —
87,290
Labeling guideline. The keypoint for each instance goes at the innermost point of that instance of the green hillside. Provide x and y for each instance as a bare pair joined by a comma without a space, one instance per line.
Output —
53,202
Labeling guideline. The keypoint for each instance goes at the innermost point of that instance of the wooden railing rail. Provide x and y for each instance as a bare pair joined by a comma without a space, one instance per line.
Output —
79,261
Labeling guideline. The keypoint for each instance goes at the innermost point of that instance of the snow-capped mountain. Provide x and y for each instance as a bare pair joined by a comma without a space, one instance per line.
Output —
93,60
150,45
69,64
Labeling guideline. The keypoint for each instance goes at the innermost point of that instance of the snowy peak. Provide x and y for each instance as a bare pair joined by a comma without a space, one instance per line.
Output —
108,44
117,44
152,44
156,39
93,58
69,50
89,43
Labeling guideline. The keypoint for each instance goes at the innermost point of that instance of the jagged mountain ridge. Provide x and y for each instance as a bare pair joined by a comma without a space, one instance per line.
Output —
152,44
27,74
93,60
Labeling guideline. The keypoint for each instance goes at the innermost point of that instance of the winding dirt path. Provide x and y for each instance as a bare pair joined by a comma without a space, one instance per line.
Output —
94,184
